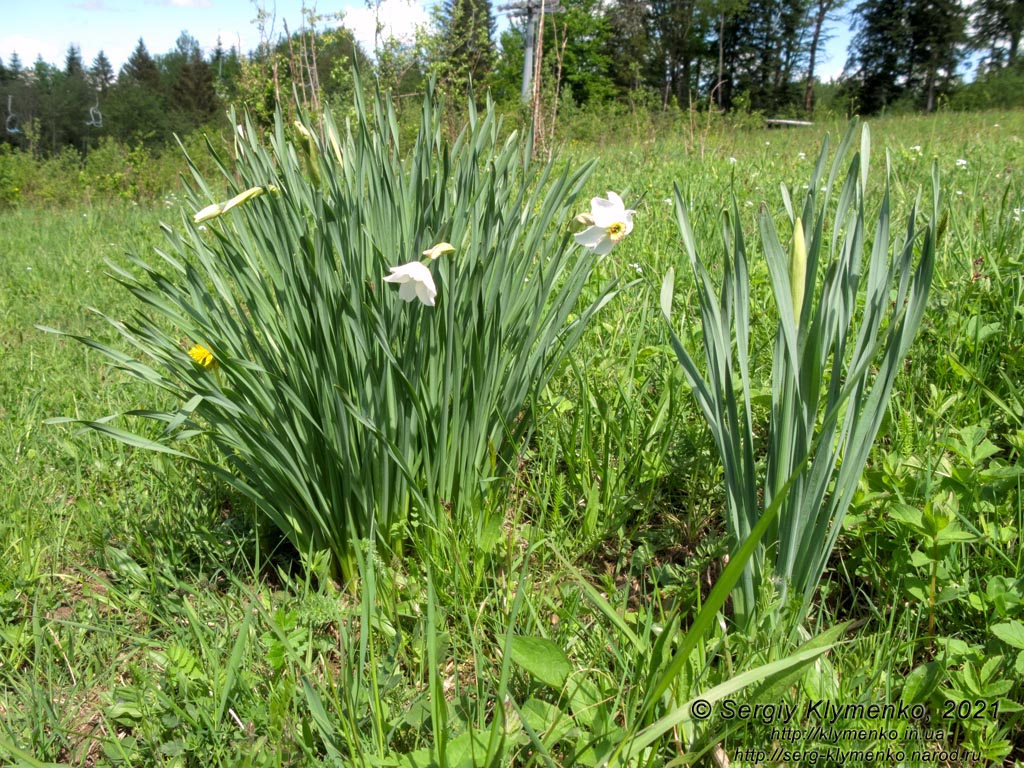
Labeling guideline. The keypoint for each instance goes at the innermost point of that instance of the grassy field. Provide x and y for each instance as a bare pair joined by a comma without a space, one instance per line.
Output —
149,616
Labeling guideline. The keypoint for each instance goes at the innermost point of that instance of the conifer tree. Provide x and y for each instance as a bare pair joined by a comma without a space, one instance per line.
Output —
101,73
878,58
138,107
190,84
70,98
141,68
998,26
465,44
937,31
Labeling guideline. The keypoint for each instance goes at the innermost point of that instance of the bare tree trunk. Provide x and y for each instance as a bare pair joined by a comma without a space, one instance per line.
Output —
824,6
721,56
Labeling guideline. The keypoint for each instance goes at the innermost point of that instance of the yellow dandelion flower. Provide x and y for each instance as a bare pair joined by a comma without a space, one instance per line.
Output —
203,356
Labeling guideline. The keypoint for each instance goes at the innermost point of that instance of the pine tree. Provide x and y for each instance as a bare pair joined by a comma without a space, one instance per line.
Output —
465,41
190,84
678,29
998,26
905,47
73,66
768,48
579,35
937,32
71,98
137,107
101,73
879,59
14,66
141,68
630,47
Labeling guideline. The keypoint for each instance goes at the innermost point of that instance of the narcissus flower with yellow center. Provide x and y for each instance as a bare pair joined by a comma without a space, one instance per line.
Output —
609,220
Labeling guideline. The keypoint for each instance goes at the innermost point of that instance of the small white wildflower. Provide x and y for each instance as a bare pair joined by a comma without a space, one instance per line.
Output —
667,201
749,203
732,160
961,163
960,192
637,267
916,148
802,155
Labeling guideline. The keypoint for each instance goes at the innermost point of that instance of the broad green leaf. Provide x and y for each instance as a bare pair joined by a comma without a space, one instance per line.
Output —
922,681
1010,632
543,660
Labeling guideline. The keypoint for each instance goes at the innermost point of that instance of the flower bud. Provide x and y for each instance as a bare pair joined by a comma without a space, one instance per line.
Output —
798,270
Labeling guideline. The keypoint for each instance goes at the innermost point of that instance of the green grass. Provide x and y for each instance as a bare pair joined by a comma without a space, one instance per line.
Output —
148,618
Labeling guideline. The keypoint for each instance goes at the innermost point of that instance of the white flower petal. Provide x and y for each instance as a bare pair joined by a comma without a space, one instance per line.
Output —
607,212
426,292
591,236
407,291
415,282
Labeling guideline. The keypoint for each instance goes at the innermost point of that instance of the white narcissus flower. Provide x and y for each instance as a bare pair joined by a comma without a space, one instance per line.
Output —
612,221
414,281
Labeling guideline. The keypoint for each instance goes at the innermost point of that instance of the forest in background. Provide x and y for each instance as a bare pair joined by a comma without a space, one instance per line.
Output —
733,57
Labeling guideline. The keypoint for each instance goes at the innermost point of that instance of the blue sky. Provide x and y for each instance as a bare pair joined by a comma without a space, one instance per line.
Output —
48,27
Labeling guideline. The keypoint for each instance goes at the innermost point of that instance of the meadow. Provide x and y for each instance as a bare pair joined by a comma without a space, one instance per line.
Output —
150,614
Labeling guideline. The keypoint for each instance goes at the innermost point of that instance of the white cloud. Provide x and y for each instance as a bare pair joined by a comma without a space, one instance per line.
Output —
186,3
399,18
29,48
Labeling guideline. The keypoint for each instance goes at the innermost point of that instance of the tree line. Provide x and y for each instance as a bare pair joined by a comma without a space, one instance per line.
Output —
730,55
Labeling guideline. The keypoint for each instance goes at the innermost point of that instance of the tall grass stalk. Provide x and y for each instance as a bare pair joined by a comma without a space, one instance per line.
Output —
342,409
842,336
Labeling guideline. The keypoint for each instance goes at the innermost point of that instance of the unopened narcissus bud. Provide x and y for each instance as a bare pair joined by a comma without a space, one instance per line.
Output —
214,210
581,222
303,131
798,270
209,212
241,197
439,250
309,150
